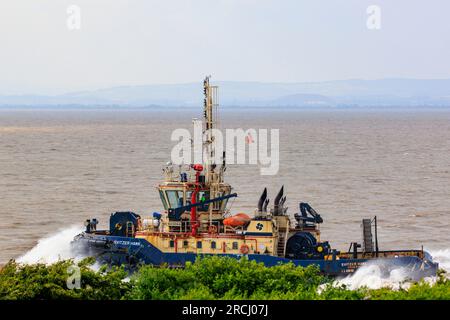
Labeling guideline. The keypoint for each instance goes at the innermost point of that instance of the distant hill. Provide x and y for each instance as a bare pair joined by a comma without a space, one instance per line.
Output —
355,93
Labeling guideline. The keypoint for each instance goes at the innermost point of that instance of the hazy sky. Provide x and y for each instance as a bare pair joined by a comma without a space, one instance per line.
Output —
171,41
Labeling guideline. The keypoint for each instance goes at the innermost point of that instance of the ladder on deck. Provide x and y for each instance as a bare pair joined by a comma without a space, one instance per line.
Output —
130,229
281,246
367,235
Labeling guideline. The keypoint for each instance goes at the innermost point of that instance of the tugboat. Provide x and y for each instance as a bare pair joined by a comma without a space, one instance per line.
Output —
195,222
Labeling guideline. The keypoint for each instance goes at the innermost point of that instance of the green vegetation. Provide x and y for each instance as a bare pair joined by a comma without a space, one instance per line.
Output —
207,278
39,281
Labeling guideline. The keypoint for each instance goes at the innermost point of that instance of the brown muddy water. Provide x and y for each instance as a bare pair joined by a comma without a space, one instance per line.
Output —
59,167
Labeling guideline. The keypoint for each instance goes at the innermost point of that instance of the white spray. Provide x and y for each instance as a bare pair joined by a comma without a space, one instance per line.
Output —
443,258
52,248
372,277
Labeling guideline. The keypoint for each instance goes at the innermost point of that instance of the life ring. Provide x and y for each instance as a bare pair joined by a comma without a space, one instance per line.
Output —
244,249
212,229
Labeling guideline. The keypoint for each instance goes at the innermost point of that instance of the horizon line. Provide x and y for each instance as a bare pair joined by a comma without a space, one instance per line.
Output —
66,92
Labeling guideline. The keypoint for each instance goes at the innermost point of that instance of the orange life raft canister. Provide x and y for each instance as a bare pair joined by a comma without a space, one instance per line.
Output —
237,220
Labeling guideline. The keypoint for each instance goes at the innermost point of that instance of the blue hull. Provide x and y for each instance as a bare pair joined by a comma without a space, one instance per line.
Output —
124,250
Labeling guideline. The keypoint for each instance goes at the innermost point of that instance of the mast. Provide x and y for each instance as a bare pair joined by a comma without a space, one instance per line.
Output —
210,108
212,176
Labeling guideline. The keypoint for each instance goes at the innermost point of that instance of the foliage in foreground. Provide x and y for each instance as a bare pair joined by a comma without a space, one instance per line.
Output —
219,278
40,281
207,278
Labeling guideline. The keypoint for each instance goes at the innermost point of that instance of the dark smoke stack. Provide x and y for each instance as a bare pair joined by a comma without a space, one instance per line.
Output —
281,210
278,197
283,200
276,202
265,205
262,199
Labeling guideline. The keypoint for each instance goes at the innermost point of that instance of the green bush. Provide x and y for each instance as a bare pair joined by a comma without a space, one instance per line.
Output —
205,279
225,278
40,281
418,291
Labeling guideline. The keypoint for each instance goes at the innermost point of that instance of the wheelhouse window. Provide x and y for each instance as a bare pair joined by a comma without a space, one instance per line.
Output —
223,203
218,204
163,200
201,196
175,198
